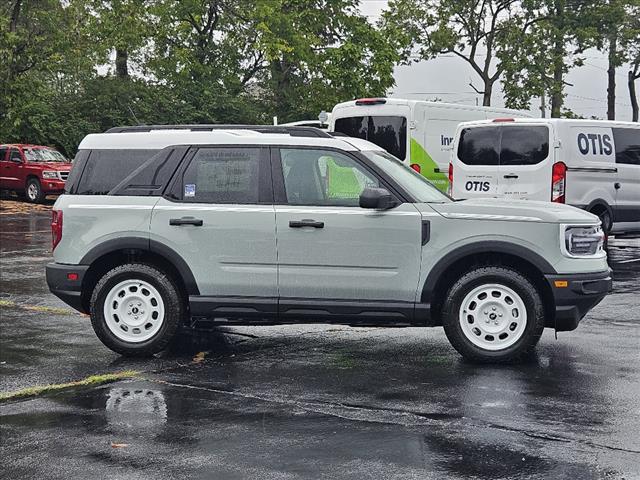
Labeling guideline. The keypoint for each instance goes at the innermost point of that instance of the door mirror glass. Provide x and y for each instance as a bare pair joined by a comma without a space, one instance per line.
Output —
377,198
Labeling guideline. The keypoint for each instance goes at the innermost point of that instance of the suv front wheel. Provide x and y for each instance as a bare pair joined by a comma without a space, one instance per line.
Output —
493,315
136,309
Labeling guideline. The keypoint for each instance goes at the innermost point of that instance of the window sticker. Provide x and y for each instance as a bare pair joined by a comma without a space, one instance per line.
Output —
190,190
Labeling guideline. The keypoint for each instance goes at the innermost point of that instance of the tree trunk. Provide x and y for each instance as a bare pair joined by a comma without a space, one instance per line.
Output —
558,59
122,67
611,78
632,95
486,96
15,16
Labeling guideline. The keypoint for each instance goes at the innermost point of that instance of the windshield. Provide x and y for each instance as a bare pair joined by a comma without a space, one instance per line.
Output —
412,181
388,132
43,155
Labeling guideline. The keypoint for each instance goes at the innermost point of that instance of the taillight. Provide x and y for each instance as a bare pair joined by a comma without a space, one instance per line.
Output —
56,228
416,167
558,182
450,178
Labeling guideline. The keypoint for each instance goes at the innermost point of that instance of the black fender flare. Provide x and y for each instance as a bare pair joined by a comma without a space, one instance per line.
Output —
485,246
145,244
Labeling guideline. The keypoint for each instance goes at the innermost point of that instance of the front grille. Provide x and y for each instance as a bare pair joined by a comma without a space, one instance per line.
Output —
63,175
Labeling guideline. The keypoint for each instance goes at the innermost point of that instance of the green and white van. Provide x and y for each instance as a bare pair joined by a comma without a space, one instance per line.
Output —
417,132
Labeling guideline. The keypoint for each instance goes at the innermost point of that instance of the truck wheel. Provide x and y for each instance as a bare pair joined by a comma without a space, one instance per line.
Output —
493,315
136,309
33,191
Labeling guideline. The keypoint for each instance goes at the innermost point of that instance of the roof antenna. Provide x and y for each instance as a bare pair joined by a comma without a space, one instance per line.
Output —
134,115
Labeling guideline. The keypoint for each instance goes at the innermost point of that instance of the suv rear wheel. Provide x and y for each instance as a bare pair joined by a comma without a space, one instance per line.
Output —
136,309
493,315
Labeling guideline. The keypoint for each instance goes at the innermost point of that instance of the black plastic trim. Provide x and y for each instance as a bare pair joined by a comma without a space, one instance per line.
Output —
69,291
583,292
246,310
481,247
144,244
294,131
426,232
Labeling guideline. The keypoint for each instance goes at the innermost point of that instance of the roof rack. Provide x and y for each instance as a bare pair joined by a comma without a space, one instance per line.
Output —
294,131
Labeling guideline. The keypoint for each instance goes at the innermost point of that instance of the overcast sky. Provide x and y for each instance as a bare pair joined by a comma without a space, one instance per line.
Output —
448,77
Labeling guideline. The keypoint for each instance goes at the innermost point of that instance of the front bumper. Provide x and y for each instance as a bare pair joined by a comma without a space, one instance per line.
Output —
51,186
575,294
69,291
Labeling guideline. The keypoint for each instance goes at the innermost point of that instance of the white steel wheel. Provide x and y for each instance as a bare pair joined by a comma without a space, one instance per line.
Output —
493,317
134,311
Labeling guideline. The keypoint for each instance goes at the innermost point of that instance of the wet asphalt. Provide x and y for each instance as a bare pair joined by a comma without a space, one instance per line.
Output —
290,402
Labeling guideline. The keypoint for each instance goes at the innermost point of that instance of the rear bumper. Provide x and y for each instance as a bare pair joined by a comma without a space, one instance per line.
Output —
69,291
582,292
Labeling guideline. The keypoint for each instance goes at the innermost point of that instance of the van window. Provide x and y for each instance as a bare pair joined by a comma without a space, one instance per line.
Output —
479,146
526,145
222,175
388,132
104,169
627,142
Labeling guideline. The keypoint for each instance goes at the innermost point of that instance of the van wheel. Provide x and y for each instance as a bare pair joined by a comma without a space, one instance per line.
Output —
605,218
33,191
136,309
493,315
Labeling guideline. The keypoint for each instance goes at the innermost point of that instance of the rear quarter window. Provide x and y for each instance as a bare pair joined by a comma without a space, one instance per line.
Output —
104,169
479,146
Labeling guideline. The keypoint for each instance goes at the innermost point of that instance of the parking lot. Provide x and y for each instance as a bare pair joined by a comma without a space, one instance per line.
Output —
310,401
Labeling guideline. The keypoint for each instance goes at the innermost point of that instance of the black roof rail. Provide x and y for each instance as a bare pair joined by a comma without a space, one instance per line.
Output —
294,131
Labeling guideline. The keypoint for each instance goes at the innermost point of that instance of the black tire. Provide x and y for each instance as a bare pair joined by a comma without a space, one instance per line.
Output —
174,309
501,276
605,218
33,191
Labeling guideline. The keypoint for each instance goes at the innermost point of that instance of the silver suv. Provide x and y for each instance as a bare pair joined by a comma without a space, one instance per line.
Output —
161,227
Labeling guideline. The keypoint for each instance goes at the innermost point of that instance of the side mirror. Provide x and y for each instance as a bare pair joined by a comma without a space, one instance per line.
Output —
15,158
378,198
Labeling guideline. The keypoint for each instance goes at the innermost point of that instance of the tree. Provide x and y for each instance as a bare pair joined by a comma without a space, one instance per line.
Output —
473,30
318,53
536,63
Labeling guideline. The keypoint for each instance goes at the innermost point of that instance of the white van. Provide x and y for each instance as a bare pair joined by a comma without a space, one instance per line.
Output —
590,164
417,132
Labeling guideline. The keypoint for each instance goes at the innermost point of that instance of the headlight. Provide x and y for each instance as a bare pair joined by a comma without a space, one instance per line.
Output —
584,241
50,175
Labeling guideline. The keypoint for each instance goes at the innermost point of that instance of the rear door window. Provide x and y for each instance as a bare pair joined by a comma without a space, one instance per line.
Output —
525,145
224,175
3,153
627,143
388,132
104,169
479,146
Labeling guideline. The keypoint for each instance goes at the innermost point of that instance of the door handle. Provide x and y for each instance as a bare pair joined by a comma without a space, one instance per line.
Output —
511,175
617,185
305,223
196,222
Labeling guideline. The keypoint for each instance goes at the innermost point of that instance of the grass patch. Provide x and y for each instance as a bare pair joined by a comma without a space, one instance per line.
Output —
89,381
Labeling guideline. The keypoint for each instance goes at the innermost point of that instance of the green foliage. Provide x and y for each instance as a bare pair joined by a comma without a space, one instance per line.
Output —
81,66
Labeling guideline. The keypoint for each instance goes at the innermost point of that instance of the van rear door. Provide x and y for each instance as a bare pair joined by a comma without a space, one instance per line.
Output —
525,162
475,162
384,125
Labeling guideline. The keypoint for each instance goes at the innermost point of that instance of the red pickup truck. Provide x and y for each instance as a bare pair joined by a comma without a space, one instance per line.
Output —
36,170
